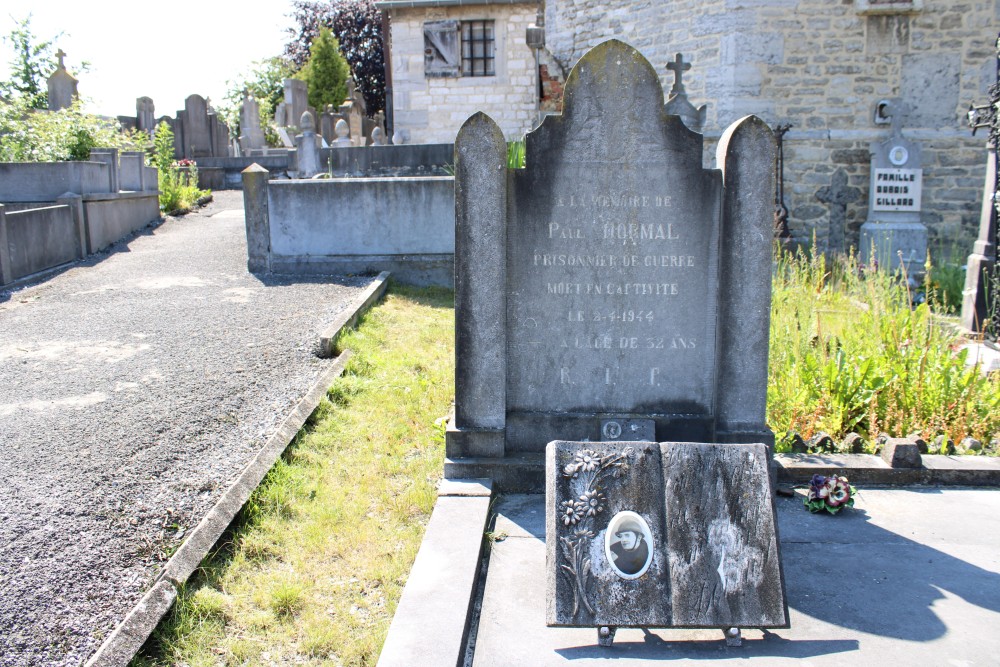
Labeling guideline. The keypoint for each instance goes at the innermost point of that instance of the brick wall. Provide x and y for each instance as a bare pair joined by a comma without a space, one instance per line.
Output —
432,109
821,65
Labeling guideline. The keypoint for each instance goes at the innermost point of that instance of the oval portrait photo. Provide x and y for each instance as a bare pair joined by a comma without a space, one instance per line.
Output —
628,545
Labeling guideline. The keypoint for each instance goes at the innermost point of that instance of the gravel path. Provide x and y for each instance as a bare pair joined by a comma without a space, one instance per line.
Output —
133,390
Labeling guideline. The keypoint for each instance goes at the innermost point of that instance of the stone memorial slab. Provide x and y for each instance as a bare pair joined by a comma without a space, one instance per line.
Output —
197,127
614,277
62,86
144,114
893,228
672,534
251,134
296,101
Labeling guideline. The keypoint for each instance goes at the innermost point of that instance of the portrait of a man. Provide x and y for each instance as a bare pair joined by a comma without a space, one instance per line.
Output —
628,545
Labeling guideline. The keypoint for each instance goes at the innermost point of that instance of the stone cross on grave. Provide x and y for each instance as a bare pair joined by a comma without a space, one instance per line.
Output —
61,54
678,67
838,195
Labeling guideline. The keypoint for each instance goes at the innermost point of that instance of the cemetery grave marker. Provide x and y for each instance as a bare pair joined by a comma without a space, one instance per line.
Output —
616,289
893,225
612,277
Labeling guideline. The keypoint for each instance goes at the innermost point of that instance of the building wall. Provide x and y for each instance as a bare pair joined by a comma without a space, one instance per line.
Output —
821,66
432,109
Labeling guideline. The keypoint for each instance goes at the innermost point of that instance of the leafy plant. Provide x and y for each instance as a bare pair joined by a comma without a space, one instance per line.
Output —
29,135
357,25
516,154
178,181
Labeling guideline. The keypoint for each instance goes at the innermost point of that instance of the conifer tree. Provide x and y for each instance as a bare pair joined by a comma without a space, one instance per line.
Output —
326,72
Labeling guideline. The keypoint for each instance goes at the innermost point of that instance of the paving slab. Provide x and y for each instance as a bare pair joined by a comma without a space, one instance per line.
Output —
910,576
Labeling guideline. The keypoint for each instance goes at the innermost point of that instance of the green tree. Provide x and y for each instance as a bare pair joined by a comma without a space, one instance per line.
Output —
357,25
31,65
326,72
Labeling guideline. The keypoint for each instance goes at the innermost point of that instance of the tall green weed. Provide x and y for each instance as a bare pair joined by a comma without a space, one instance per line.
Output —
850,352
178,184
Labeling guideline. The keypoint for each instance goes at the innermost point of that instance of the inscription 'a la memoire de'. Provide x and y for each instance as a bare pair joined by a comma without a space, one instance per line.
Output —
614,201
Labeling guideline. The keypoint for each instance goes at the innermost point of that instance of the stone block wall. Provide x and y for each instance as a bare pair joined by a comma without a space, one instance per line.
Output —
432,109
821,66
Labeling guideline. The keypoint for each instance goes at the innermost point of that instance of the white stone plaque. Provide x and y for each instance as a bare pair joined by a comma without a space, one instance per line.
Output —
897,189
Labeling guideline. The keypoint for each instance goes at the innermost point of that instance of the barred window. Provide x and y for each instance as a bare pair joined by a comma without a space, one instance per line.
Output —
478,48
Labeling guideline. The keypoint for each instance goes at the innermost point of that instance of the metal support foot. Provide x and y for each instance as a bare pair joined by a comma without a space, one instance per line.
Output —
733,637
606,635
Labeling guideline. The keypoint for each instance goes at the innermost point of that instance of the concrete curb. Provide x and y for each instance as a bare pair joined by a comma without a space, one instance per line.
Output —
129,636
431,623
350,317
936,469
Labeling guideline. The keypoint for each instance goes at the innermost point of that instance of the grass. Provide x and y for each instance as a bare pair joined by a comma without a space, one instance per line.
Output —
313,568
849,352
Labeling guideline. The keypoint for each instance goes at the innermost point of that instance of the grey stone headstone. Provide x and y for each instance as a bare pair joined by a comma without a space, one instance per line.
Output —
144,114
627,265
62,86
251,134
708,556
893,228
197,131
219,135
296,100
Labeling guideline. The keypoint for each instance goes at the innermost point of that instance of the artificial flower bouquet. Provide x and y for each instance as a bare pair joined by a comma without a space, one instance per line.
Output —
829,493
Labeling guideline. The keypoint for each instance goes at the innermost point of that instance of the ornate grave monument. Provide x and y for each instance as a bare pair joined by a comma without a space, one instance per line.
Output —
614,289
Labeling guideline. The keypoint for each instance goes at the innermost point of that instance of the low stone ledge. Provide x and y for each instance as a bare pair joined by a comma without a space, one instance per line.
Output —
869,469
430,626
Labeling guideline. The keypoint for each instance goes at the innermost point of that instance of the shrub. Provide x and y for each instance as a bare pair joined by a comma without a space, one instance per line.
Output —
28,135
178,181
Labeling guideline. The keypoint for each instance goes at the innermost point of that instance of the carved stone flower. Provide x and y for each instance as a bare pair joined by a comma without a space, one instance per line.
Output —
592,503
571,512
586,460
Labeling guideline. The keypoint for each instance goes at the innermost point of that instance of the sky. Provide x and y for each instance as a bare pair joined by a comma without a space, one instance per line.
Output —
165,51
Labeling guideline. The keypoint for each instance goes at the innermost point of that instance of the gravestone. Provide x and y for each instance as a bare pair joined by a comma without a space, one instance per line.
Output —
144,114
62,86
642,534
837,195
251,134
197,127
614,277
219,135
296,101
307,149
893,228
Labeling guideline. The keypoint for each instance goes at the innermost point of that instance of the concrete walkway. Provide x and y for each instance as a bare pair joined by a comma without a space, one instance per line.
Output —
134,388
910,577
